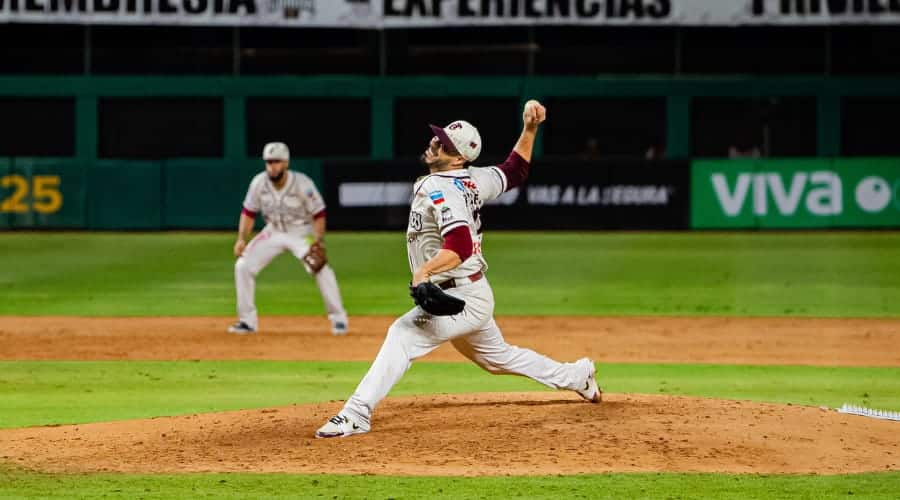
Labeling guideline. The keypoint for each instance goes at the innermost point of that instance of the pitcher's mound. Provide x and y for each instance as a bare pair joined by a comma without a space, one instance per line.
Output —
479,434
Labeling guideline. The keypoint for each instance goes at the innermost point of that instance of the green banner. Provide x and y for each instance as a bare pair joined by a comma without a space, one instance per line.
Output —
43,192
798,194
873,192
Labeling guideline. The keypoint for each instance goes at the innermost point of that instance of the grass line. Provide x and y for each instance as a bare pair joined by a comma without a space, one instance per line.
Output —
664,485
826,274
57,392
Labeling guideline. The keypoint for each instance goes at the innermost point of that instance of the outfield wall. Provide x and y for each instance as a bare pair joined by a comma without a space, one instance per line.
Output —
119,194
372,194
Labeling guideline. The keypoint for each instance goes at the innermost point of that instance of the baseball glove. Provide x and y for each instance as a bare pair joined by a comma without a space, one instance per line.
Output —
434,301
316,258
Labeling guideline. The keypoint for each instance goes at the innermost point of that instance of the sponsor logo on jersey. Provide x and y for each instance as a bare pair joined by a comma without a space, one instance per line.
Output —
464,184
446,215
437,197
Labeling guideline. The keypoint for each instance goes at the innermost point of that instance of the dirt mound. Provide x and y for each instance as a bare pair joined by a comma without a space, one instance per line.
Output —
478,434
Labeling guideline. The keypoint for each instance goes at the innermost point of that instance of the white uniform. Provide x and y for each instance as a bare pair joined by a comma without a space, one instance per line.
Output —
441,202
289,213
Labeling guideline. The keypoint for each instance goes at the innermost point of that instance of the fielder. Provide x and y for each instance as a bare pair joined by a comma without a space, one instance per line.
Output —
295,221
444,245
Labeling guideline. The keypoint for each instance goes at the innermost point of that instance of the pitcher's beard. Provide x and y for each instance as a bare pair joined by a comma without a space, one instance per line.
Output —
276,178
434,166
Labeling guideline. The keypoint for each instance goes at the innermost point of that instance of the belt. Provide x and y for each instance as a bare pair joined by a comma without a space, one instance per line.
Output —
455,282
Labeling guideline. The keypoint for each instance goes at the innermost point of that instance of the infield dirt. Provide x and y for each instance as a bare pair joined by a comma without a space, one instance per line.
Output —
473,434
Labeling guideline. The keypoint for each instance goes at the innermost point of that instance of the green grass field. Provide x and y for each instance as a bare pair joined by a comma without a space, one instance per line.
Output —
54,392
115,274
618,486
770,274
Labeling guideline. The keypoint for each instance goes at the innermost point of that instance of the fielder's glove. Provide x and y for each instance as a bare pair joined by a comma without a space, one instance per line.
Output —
316,258
434,301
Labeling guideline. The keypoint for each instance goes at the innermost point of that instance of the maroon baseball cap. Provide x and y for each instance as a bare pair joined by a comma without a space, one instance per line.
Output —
443,137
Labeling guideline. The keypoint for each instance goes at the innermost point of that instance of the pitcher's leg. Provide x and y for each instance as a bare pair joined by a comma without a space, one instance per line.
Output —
489,350
261,250
412,336
331,296
404,343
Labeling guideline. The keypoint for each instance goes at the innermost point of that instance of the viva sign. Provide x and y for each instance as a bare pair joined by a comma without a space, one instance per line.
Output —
795,193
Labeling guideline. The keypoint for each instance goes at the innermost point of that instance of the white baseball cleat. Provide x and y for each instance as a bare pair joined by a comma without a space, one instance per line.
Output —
339,328
590,390
241,328
339,426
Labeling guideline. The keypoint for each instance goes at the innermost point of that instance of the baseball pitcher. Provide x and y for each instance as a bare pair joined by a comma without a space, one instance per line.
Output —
454,301
295,221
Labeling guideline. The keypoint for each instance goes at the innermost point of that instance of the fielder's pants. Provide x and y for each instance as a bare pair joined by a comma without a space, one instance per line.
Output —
259,253
473,333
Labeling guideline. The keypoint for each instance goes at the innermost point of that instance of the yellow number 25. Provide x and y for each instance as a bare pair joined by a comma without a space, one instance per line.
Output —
46,198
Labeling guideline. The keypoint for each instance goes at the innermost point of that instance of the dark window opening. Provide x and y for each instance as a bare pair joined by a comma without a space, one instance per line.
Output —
754,50
869,126
312,126
753,126
157,128
572,50
459,51
279,51
158,50
592,128
37,126
866,50
40,49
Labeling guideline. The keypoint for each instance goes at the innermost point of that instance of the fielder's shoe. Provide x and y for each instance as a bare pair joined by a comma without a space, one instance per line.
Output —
590,390
241,328
339,328
339,426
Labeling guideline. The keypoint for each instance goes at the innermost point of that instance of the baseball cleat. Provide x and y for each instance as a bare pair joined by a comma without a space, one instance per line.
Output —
339,426
339,328
590,390
241,328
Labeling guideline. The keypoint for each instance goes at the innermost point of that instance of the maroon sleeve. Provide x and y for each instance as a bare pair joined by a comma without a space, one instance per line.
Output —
515,168
460,241
248,213
319,214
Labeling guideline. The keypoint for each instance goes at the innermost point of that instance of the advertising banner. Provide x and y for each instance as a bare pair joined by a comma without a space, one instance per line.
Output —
283,13
559,194
410,13
799,194
381,14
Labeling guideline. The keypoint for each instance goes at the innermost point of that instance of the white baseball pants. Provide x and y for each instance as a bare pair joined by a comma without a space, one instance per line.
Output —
267,245
473,333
